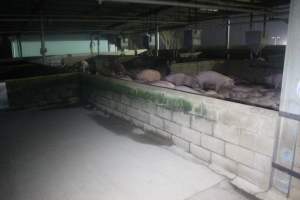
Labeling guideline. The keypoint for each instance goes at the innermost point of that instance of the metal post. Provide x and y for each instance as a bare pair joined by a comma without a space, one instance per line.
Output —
19,45
228,31
108,46
156,40
98,44
265,27
43,48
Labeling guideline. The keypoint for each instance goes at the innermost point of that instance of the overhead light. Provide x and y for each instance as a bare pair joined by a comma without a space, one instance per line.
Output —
99,2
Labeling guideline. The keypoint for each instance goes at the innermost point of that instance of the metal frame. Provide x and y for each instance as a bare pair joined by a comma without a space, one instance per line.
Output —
277,166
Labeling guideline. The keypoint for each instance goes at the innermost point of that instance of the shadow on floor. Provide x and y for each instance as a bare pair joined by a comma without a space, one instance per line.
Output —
125,128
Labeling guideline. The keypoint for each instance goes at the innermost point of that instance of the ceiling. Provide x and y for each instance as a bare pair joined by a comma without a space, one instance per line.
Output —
122,16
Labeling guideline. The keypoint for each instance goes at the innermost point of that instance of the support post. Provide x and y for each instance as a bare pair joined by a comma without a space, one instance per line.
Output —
43,46
228,31
265,26
19,44
156,40
98,44
108,46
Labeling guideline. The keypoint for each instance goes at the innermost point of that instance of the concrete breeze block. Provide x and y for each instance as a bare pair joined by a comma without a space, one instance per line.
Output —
137,123
247,140
269,127
132,112
225,163
172,127
263,163
138,114
156,121
200,153
264,145
213,144
190,135
163,133
182,118
143,116
240,119
202,125
125,100
164,113
122,108
181,143
149,128
253,176
228,133
239,154
150,107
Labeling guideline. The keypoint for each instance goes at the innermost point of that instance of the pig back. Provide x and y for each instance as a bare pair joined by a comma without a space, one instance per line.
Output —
149,75
176,79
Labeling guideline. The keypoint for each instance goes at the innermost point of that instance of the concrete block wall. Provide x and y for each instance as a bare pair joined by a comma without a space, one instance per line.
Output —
238,138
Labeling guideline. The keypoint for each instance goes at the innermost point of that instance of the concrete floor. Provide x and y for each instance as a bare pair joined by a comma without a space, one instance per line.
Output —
79,154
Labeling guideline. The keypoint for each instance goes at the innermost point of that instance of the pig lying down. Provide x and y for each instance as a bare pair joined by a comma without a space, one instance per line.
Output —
148,75
180,79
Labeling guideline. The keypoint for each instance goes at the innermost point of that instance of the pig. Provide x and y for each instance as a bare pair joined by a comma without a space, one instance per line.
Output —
176,79
180,79
165,84
274,80
188,81
212,80
148,75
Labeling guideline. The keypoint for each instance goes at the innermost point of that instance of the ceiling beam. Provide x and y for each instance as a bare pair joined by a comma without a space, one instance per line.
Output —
190,5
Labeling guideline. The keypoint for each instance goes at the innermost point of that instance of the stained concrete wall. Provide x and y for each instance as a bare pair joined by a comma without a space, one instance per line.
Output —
229,136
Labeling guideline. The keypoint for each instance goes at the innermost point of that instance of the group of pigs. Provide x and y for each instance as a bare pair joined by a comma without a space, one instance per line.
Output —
207,80
209,83
214,84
